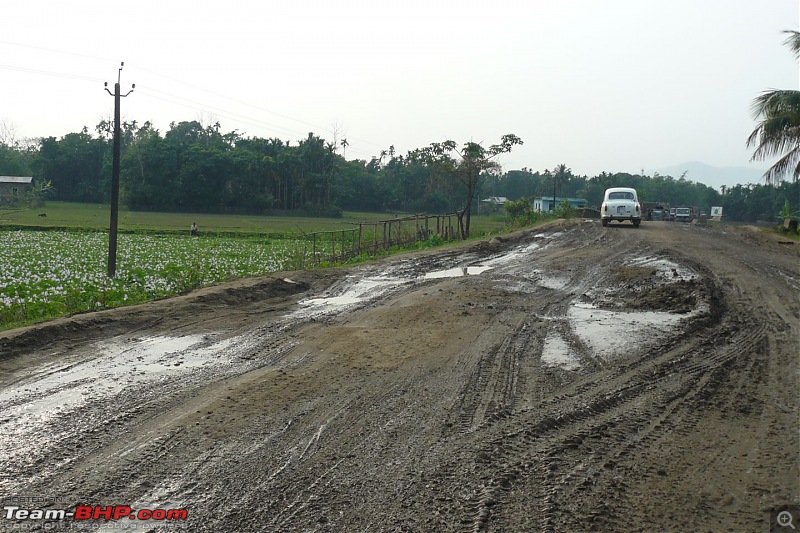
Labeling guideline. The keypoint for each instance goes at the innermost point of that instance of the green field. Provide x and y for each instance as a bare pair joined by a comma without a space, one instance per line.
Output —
63,215
46,274
55,265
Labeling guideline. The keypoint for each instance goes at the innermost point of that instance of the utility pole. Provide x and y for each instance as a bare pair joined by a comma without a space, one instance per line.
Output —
112,229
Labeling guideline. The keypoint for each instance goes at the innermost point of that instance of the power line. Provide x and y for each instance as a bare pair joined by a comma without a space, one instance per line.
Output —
316,127
243,119
193,104
52,50
237,100
178,99
50,73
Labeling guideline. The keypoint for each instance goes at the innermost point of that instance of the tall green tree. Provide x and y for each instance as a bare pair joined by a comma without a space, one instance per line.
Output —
12,162
467,163
562,176
778,130
74,165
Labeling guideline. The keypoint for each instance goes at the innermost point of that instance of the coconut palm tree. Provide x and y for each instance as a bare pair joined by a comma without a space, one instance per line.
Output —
778,132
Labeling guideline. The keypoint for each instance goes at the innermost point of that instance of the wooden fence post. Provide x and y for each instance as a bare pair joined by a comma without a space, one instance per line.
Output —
403,236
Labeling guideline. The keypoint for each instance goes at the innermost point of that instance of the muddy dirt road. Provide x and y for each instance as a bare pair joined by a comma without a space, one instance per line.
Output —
571,378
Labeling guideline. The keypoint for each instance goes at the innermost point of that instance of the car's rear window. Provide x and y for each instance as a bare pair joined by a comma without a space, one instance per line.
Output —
620,195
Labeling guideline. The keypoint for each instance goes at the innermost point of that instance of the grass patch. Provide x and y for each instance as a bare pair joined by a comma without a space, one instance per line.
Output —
95,217
70,216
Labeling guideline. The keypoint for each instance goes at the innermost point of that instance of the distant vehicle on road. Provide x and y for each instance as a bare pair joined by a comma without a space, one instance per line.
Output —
659,213
654,210
621,204
683,214
671,214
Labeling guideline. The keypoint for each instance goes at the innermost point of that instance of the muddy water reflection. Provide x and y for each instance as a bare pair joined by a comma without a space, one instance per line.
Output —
457,272
556,352
107,369
613,334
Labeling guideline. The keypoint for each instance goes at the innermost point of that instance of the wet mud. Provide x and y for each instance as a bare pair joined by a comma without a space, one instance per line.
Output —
569,378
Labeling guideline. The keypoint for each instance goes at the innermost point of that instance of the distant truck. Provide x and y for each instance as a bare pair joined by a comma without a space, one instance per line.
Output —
654,210
683,214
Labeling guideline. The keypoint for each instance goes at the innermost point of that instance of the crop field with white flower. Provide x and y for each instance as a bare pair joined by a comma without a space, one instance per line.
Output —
46,274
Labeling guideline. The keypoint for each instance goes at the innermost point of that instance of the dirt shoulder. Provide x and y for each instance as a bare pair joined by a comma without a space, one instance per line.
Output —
569,378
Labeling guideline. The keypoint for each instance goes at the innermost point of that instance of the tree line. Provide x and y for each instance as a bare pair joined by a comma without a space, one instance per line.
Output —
199,168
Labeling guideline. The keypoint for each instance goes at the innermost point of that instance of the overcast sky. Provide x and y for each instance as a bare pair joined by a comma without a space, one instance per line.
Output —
611,85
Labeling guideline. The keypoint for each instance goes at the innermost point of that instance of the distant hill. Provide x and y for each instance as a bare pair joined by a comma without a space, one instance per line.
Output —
714,176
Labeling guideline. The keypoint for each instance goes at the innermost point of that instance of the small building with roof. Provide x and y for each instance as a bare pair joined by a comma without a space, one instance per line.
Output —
545,204
494,203
13,188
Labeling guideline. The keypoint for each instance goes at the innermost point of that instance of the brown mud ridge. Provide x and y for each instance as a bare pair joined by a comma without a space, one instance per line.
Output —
570,378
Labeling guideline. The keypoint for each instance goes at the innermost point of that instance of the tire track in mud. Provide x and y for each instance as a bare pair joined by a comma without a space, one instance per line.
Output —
700,367
309,489
494,386
483,390
490,392
138,417
621,411
432,409
306,477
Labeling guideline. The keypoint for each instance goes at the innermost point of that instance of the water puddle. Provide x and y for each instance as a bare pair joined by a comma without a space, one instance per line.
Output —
60,389
457,272
553,235
361,291
369,288
512,256
353,291
551,282
665,268
612,334
164,355
54,391
556,352
332,301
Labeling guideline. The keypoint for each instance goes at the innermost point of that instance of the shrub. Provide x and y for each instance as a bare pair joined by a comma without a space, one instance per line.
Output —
564,210
521,212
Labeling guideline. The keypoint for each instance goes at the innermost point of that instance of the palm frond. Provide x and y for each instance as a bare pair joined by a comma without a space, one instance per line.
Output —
778,131
776,102
793,42
786,164
769,143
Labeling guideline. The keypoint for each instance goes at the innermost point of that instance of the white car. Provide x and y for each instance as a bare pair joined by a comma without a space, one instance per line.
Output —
621,203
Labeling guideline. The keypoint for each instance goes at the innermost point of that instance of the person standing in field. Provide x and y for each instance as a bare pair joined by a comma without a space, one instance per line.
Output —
194,229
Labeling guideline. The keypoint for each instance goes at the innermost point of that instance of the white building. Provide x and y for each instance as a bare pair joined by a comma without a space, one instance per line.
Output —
545,204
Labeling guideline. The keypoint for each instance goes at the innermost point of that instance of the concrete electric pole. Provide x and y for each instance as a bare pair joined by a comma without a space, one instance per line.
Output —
112,230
